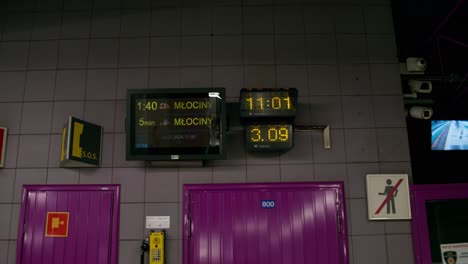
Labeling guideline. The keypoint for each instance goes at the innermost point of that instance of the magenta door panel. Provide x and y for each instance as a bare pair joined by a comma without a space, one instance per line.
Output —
93,224
289,223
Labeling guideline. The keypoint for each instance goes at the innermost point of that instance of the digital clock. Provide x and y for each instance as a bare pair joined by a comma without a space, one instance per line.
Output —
269,137
268,102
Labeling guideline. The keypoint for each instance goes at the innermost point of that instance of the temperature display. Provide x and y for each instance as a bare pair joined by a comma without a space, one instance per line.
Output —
269,137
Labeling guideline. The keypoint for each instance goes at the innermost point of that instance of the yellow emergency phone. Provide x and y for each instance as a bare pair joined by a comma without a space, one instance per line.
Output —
156,247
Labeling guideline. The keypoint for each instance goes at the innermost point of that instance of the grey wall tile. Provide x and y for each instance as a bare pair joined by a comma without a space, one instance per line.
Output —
263,173
107,150
101,84
196,51
400,249
106,23
349,20
323,80
11,151
389,111
321,49
262,158
43,55
135,23
398,227
369,249
194,176
360,225
290,49
70,85
326,110
235,154
32,151
96,176
40,85
293,76
334,154
162,185
103,53
358,112
55,148
352,48
131,79
361,145
14,55
77,5
106,4
165,51
319,19
330,172
5,220
165,209
396,167
393,144
7,180
260,76
356,174
259,49
139,4
15,216
4,251
258,20
382,49
128,249
51,5
62,110
18,26
101,113
385,79
303,111
227,50
120,115
12,86
229,174
196,21
227,20
63,176
10,116
302,152
355,79
378,19
12,252
167,77
288,20
75,24
119,153
134,52
73,54
132,181
297,173
196,77
229,77
27,176
36,118
131,221
46,26
165,22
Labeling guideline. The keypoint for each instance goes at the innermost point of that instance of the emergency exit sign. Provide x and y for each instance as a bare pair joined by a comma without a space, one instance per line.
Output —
81,144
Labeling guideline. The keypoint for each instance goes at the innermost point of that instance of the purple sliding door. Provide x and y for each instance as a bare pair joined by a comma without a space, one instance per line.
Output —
271,223
71,224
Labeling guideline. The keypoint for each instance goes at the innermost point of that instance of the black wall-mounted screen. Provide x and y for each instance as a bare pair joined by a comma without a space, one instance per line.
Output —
176,124
449,134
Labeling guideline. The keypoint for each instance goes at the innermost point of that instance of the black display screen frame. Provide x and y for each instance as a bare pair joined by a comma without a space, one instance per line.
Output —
264,97
173,153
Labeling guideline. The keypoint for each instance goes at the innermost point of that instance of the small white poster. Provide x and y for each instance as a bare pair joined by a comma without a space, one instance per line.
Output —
158,222
454,253
388,196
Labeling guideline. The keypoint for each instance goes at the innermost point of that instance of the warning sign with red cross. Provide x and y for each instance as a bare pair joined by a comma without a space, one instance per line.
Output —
388,196
57,224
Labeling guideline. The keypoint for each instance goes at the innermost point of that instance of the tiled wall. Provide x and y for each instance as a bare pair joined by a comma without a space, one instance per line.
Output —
78,57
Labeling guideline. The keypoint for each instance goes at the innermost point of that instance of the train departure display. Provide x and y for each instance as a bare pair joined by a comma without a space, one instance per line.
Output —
268,137
268,102
175,124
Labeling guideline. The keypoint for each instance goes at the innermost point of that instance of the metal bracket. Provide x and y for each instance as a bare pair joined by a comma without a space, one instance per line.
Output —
324,128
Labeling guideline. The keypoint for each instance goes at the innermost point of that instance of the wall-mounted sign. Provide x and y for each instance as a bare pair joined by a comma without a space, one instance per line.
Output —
3,137
57,224
454,253
388,196
158,222
81,144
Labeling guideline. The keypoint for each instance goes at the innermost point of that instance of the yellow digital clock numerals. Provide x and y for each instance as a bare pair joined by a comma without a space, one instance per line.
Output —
269,134
275,102
147,105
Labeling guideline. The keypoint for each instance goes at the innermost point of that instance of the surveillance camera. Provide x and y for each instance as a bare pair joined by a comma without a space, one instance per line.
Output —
421,112
420,86
415,64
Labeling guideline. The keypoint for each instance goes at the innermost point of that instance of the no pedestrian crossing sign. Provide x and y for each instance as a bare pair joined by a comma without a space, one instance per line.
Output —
388,196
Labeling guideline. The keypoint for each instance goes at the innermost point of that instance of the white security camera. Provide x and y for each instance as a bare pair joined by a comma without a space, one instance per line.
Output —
420,86
421,112
415,64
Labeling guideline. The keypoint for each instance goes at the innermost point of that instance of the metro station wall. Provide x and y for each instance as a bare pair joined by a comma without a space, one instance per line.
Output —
60,58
